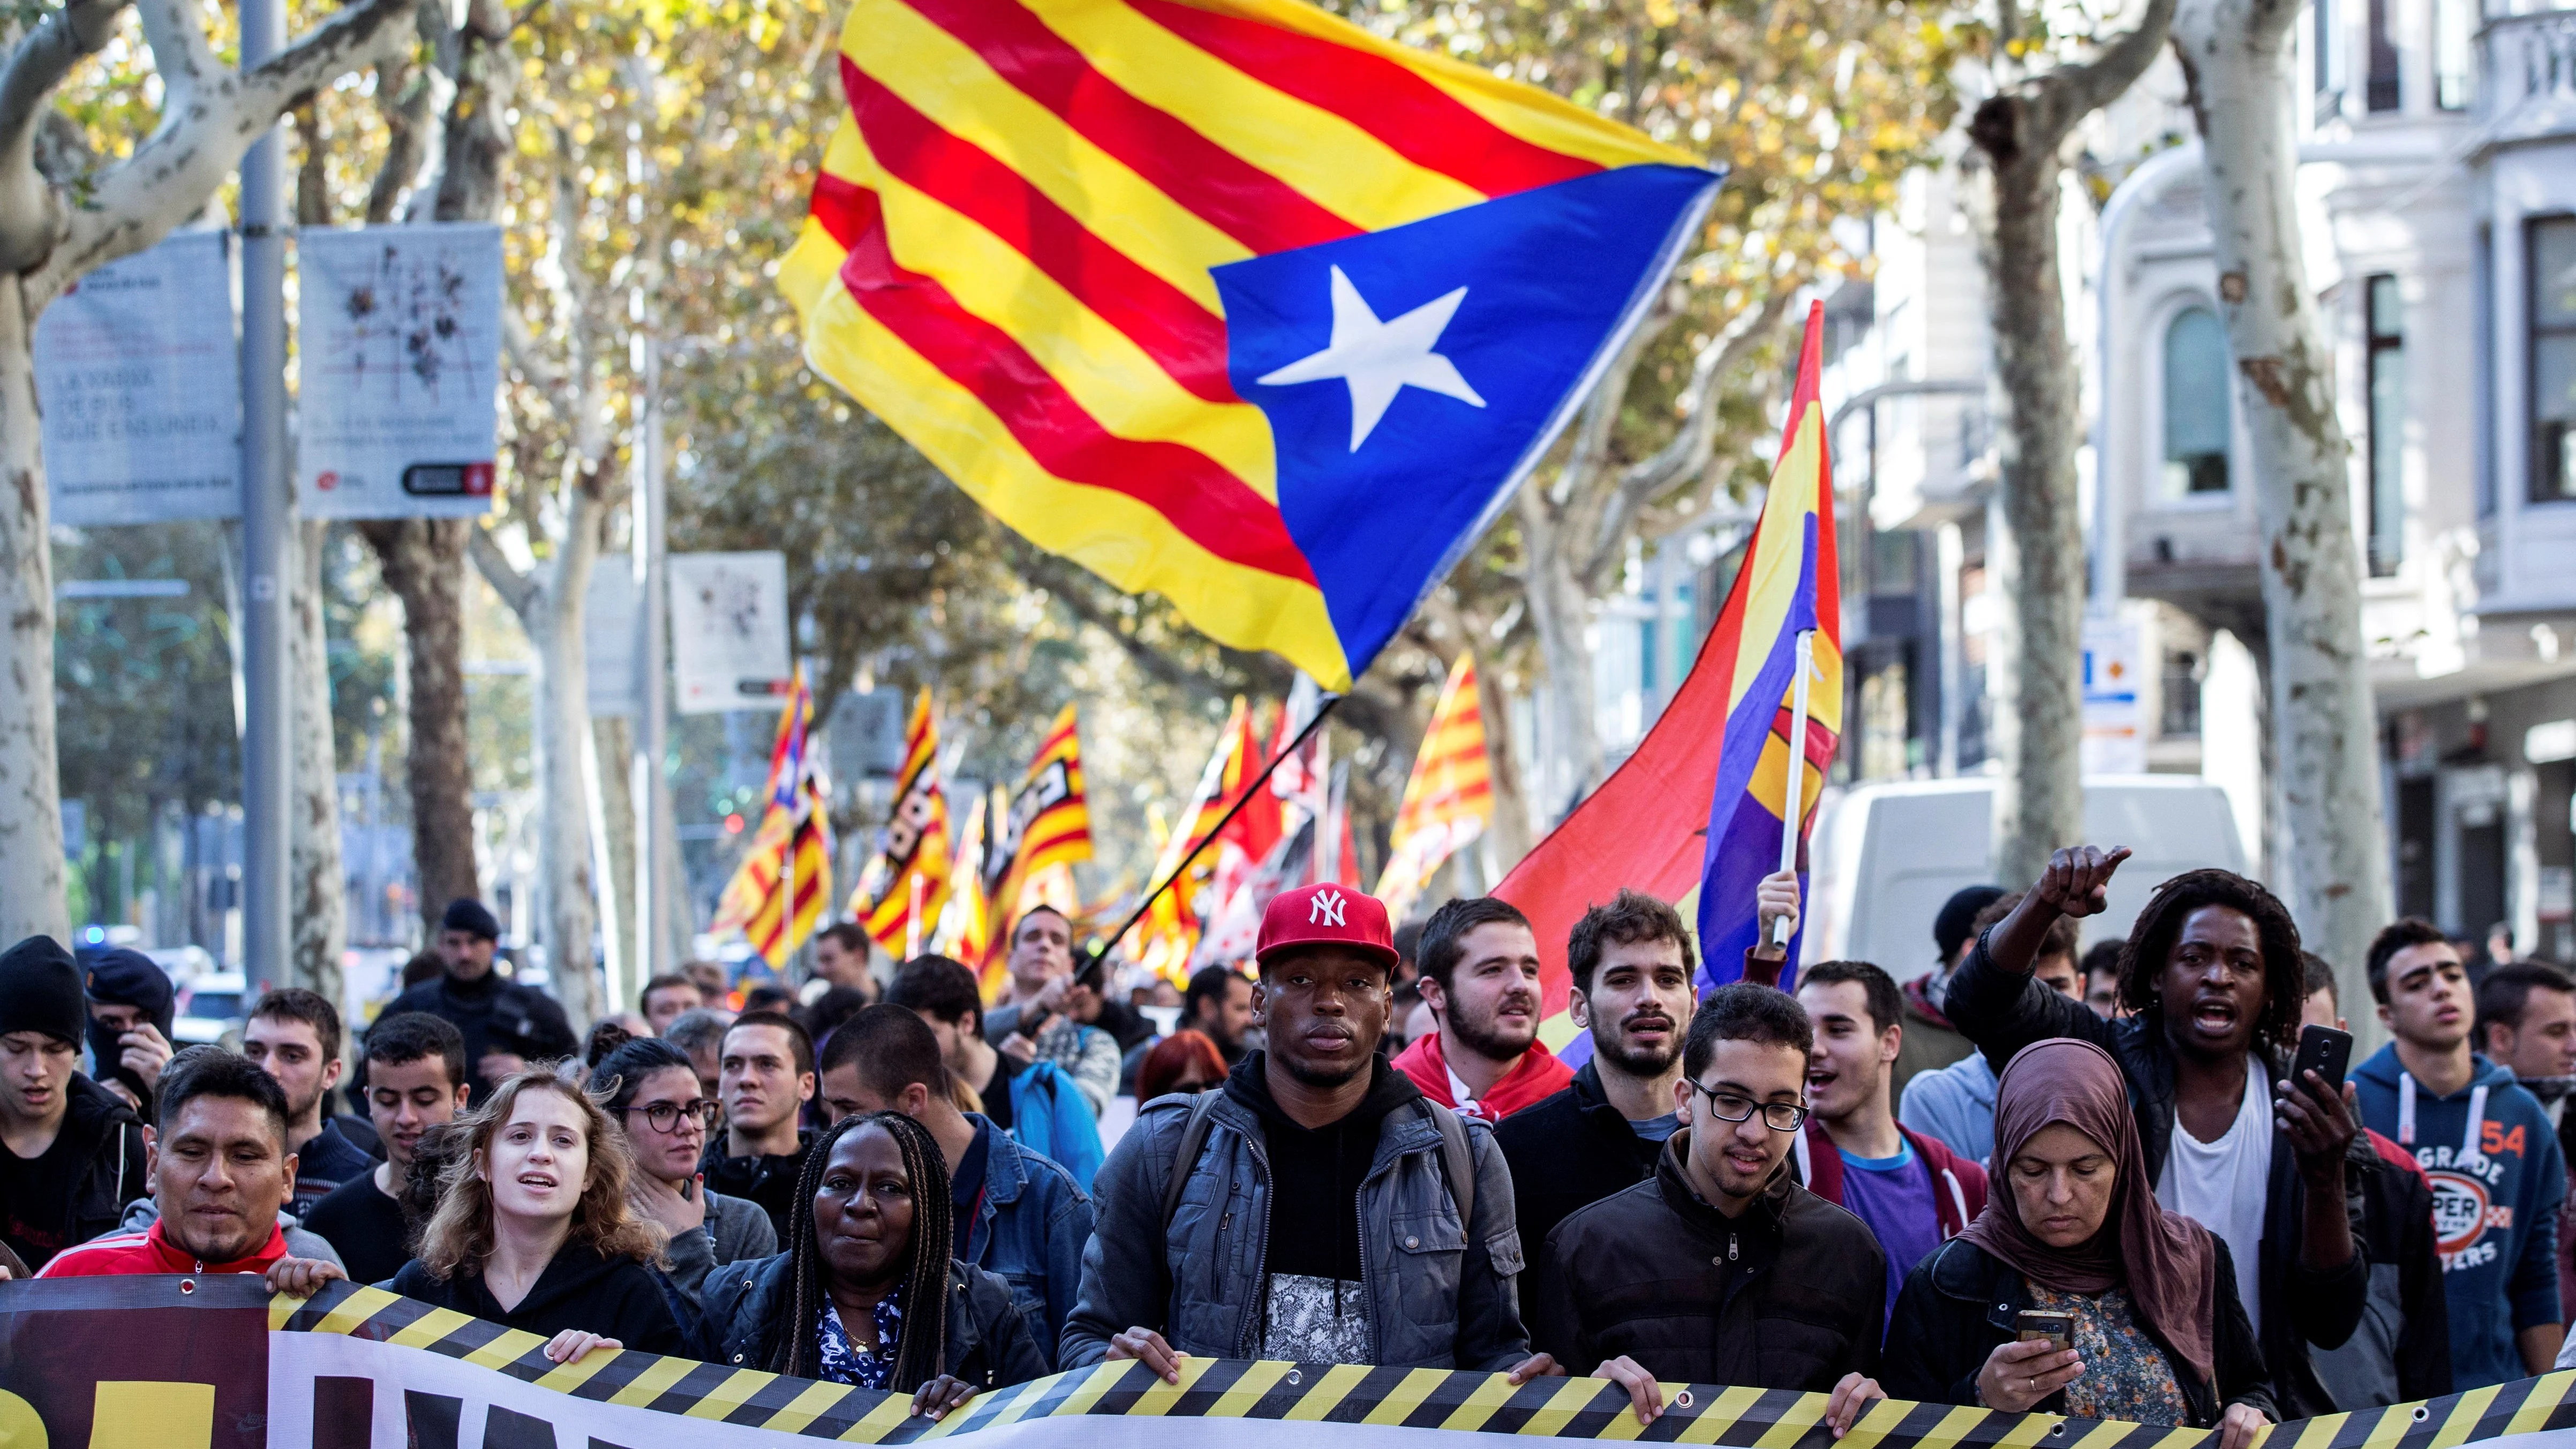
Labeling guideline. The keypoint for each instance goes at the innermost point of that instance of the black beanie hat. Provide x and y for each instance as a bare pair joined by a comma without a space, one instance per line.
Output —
471,916
1959,917
123,976
40,990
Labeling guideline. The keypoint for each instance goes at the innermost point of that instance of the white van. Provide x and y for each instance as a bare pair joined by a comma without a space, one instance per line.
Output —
1884,858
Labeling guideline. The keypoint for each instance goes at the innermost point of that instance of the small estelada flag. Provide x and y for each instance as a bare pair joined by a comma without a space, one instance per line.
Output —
913,866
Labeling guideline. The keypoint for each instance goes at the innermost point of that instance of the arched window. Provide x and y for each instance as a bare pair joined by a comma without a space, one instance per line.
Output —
2198,408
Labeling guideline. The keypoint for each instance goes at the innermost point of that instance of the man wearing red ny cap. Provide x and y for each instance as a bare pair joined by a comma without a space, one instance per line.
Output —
1316,1208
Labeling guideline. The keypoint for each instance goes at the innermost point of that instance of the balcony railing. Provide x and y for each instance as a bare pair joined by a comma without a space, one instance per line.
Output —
2527,75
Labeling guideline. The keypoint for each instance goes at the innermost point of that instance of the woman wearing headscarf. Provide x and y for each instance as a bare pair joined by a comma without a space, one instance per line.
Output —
869,1292
2159,1336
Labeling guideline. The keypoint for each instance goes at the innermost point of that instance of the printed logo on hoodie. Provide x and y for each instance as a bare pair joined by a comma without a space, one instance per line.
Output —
2464,1188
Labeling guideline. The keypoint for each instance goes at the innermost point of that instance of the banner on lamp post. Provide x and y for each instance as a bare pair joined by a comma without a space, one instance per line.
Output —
399,332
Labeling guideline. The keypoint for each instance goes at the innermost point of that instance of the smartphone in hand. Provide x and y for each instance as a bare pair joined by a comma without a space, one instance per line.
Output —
2326,1052
2033,1325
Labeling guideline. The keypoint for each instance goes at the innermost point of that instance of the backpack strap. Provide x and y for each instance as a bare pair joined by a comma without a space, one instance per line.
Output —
1457,1159
1194,1135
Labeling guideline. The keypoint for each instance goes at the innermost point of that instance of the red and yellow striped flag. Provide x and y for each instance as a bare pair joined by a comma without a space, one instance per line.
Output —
1448,798
963,930
915,865
1047,824
795,829
1225,299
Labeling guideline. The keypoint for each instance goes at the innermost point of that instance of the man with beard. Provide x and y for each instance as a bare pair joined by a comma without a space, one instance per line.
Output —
294,1036
1480,979
1632,964
1316,1208
1910,1189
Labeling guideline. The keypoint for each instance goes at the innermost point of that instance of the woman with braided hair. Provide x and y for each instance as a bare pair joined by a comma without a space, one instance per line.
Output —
869,1292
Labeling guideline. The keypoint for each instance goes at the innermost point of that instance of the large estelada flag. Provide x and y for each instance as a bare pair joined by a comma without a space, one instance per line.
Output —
911,872
1047,823
791,855
1225,299
1692,807
1449,796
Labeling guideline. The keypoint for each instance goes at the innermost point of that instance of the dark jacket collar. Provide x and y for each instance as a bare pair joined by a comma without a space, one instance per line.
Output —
1249,1085
1762,1220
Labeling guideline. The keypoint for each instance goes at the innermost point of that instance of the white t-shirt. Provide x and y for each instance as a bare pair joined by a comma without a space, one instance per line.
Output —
2222,1185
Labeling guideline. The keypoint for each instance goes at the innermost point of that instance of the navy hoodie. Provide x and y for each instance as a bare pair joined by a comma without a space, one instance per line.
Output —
2498,1179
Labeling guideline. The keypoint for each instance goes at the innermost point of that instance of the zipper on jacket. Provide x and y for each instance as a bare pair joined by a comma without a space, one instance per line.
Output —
1248,1342
1730,1245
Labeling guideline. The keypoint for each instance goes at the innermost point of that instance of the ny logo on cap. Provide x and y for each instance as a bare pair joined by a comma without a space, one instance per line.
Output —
1327,907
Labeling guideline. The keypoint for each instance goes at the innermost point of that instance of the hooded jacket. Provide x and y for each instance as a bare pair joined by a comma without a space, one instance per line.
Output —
107,1138
988,1344
2004,1011
1788,1296
615,1298
2497,1179
1536,1076
1439,1287
1958,1186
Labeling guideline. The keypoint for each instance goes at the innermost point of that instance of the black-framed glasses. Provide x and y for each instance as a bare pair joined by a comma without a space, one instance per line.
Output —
1736,1107
665,1116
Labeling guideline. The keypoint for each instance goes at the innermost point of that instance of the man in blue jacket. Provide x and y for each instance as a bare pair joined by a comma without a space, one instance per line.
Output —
1317,1208
2489,1148
1018,1213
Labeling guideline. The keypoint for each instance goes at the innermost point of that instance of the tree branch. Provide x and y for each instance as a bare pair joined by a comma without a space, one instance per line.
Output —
2064,96
175,169
516,589
1691,448
30,213
181,54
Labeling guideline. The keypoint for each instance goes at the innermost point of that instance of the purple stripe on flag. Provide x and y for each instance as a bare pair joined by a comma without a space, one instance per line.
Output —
1744,832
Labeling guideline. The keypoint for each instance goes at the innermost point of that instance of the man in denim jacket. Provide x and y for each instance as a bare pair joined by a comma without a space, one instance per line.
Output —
1328,1213
1018,1214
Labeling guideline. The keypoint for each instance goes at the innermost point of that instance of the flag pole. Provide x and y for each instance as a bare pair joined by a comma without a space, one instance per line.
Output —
1241,799
1797,770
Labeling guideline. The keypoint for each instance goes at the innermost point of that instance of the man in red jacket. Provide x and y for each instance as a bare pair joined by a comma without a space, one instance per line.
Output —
1909,1188
1480,977
222,1172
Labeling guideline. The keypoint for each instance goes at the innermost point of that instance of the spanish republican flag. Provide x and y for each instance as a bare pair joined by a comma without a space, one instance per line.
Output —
913,866
795,830
1225,299
1696,808
1046,824
1448,798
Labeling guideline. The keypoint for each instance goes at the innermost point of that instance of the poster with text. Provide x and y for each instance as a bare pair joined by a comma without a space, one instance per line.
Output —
399,336
139,376
729,631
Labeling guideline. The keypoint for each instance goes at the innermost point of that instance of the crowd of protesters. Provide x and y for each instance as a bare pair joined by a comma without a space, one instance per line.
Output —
1363,1150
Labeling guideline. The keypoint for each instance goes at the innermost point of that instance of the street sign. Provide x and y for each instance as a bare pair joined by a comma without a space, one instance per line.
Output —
401,348
729,631
2114,744
140,381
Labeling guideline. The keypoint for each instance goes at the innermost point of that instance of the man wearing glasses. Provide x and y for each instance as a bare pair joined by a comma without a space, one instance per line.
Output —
1721,1269
415,1081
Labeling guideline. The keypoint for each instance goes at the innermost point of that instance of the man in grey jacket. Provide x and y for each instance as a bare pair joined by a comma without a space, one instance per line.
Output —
1315,1208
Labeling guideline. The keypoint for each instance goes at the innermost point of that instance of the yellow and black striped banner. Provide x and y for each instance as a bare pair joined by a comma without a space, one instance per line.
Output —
123,1363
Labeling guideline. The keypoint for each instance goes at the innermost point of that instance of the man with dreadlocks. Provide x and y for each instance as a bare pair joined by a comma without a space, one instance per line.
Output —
869,1292
2214,986
1317,1208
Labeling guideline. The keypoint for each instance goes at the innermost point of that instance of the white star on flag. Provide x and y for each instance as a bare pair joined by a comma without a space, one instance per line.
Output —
1380,359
